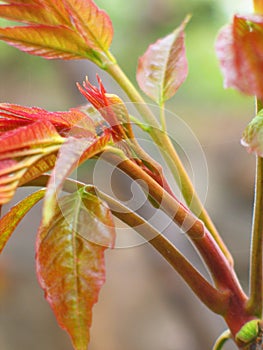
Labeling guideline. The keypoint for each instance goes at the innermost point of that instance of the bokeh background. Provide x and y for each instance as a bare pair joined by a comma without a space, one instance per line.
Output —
144,304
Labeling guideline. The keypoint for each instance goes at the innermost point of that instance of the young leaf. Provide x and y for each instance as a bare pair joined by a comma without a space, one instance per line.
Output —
253,135
13,116
111,108
65,29
239,48
71,155
163,67
70,262
35,13
93,24
10,220
50,42
38,134
22,148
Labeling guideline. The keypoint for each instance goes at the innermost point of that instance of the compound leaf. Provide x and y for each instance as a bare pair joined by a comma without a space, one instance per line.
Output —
64,29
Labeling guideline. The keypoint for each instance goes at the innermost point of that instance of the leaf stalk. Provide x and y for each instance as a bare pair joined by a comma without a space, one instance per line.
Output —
170,155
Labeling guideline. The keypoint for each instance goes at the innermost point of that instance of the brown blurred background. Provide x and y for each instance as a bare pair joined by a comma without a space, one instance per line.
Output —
144,304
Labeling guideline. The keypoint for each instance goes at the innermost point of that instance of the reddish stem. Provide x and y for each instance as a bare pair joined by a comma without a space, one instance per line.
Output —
222,272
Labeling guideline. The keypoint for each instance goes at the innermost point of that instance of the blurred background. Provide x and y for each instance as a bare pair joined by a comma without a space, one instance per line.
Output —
144,304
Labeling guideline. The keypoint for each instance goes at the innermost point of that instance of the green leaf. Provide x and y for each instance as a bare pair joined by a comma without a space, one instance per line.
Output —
9,221
163,67
70,260
71,155
248,332
253,135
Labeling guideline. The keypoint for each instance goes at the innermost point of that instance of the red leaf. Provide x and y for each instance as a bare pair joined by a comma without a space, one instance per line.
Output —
12,116
22,148
111,108
163,67
70,264
40,133
9,221
239,48
29,147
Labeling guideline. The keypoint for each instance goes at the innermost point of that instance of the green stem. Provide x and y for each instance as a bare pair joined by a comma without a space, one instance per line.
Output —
162,118
223,338
255,302
169,153
211,297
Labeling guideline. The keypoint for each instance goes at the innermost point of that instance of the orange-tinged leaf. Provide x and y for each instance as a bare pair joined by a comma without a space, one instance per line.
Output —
40,133
16,172
30,138
163,67
71,155
38,168
258,6
92,23
51,42
64,29
23,148
53,9
28,13
57,8
239,48
10,220
22,1
70,260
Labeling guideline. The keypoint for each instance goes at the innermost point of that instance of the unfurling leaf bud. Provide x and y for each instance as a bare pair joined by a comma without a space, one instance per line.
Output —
250,335
253,135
